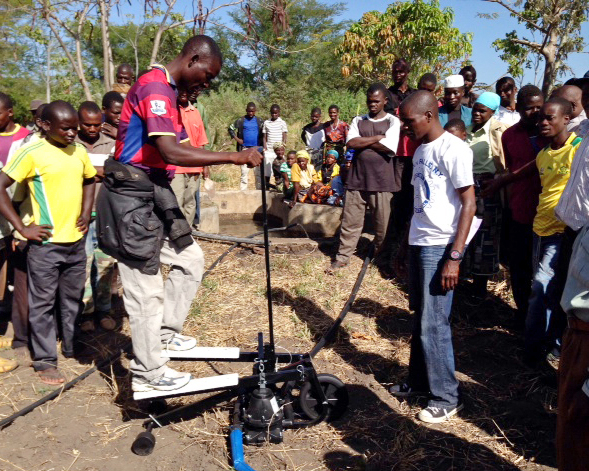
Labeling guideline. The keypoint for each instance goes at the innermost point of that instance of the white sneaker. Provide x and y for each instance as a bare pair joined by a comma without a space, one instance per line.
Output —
179,342
170,380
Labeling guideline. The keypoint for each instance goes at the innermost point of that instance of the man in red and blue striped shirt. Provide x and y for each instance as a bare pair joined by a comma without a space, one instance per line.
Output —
151,137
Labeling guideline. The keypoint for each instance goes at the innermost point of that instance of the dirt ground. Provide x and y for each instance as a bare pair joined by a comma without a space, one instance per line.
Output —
508,422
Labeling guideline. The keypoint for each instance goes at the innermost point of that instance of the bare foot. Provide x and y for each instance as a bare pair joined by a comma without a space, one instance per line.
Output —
51,376
87,326
108,323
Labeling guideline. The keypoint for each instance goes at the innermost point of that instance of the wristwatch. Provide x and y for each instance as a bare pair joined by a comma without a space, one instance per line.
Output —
456,256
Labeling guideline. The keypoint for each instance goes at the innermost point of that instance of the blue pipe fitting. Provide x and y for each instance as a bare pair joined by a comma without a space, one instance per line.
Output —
236,440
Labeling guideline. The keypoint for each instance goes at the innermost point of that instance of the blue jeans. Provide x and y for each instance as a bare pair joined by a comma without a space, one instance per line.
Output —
540,334
431,365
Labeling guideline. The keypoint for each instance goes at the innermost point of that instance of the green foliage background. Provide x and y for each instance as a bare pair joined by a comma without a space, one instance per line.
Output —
298,67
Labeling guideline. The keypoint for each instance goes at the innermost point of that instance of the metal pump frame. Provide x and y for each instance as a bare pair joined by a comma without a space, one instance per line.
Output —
298,367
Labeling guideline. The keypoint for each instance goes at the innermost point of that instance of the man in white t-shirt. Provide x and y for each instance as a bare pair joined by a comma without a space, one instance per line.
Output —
506,113
444,208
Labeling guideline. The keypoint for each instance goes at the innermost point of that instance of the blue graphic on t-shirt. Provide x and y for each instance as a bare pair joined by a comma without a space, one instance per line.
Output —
424,196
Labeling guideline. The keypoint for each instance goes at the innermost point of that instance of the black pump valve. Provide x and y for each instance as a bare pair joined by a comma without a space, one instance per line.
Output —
262,418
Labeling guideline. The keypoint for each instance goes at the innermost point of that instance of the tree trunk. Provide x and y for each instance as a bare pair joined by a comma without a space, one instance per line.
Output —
108,66
160,31
75,64
48,73
81,21
549,53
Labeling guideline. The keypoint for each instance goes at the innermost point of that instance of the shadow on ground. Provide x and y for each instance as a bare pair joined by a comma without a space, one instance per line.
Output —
501,396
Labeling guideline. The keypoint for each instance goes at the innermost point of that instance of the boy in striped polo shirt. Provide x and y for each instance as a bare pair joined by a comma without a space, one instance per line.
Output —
274,131
60,178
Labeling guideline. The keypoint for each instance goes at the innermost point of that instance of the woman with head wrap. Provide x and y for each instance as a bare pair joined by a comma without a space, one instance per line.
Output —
303,175
330,169
484,139
321,191
336,132
279,149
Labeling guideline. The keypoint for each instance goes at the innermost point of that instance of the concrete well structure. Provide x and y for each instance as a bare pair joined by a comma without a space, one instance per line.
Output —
318,220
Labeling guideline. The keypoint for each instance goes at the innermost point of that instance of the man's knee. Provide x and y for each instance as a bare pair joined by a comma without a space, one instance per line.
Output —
192,261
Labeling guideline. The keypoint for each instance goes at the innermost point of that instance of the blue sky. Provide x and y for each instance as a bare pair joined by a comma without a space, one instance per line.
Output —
484,58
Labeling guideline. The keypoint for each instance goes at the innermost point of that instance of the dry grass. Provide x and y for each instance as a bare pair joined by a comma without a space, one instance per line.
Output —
371,353
508,422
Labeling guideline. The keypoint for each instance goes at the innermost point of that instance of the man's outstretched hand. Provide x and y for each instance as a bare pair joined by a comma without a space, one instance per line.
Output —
250,157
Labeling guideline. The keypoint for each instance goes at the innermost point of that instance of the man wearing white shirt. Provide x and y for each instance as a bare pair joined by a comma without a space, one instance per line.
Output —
374,176
572,435
506,113
573,206
444,208
97,295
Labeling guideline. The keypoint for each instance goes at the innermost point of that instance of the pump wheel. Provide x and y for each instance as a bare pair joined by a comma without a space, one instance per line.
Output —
143,444
335,391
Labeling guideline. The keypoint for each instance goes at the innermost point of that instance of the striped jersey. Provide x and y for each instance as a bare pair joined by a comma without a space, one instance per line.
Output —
149,110
273,131
55,177
8,139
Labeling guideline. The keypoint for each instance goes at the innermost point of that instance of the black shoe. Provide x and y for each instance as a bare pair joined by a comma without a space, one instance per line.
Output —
404,390
436,415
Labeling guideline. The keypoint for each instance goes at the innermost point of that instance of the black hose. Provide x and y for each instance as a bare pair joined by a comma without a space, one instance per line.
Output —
107,361
52,395
226,238
331,333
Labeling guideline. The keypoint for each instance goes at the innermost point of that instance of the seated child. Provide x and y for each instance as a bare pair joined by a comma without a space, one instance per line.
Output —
338,184
303,175
279,150
456,127
320,192
285,171
330,169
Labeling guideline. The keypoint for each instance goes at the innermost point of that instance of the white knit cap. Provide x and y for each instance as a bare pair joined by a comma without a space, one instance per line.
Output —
454,81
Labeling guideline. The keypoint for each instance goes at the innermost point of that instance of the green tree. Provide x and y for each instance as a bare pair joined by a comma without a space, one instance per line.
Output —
296,41
418,31
555,26
132,43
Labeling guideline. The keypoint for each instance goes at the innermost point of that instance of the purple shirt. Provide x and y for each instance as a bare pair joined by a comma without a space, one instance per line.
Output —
520,149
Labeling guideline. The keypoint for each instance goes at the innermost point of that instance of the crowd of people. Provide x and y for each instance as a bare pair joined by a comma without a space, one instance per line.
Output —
467,182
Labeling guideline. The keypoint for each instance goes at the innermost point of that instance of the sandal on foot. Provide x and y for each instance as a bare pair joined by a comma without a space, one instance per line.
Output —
7,365
335,266
108,323
51,376
5,342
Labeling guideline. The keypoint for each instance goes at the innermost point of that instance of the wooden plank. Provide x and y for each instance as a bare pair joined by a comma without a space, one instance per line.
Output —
195,385
204,353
